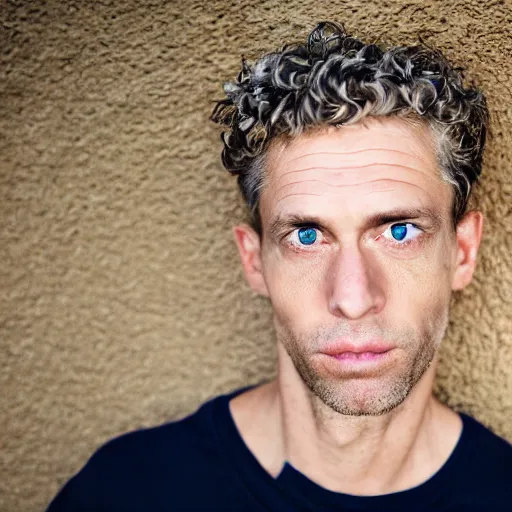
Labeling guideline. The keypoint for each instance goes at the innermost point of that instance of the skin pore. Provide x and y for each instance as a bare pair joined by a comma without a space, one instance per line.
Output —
343,274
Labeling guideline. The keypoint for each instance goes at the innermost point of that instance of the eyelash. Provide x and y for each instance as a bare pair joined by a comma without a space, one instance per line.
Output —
395,244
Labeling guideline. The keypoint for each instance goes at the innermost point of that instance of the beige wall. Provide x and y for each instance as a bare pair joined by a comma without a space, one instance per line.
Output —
122,301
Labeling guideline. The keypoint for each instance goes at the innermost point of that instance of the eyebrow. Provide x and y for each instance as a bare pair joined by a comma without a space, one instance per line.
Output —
288,221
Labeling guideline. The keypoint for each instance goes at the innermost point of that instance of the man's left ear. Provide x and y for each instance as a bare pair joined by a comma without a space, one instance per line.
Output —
469,235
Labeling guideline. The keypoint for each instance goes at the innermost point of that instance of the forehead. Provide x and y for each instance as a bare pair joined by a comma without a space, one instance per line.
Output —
363,142
341,163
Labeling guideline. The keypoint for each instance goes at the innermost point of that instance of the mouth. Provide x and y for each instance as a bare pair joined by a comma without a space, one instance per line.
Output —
345,349
343,355
359,356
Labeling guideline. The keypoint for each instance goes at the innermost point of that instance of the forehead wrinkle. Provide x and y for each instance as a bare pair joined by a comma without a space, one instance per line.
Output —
299,194
338,186
418,132
340,168
350,184
355,152
351,167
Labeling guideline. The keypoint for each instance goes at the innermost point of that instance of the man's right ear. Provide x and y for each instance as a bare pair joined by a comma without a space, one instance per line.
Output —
248,243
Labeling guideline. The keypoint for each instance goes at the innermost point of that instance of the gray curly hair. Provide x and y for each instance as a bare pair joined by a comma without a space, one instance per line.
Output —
335,79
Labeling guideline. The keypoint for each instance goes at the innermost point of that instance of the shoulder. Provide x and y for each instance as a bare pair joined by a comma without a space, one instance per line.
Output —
488,462
484,440
160,448
143,463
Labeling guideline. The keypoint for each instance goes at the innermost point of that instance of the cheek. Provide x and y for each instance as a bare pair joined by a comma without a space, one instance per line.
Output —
427,275
295,288
423,300
432,277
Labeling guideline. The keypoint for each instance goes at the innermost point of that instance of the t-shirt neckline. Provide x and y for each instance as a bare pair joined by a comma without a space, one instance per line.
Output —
306,495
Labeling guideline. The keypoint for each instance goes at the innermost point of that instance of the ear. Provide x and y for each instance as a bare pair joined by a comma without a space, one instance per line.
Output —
248,243
469,235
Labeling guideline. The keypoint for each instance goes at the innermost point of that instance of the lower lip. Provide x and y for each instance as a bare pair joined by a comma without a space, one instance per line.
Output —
359,362
361,356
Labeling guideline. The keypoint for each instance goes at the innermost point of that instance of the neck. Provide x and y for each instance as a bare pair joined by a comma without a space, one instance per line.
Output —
360,455
356,454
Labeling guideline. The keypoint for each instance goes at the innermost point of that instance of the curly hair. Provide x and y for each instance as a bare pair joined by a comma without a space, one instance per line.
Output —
336,79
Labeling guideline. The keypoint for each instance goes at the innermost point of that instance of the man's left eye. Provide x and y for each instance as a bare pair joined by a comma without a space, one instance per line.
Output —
402,233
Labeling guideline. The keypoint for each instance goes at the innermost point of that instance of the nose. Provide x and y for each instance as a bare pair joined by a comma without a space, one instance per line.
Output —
355,285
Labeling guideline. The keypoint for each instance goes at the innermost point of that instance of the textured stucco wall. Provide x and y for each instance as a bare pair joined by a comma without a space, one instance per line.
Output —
122,300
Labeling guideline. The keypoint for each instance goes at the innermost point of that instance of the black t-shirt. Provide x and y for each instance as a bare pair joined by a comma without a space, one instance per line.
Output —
202,463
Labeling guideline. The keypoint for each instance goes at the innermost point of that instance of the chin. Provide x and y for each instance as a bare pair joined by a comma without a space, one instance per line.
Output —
373,392
362,397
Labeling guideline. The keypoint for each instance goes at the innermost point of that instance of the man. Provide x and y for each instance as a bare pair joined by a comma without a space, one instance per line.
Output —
356,163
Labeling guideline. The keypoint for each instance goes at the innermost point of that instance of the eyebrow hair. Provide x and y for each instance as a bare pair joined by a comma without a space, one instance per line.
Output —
294,220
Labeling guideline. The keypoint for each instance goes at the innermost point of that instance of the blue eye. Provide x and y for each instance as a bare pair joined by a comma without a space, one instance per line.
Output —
400,231
307,236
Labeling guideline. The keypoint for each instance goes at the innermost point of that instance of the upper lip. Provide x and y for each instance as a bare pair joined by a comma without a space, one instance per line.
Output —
341,346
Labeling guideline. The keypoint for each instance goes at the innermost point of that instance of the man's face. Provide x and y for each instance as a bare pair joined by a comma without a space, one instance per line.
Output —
347,277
